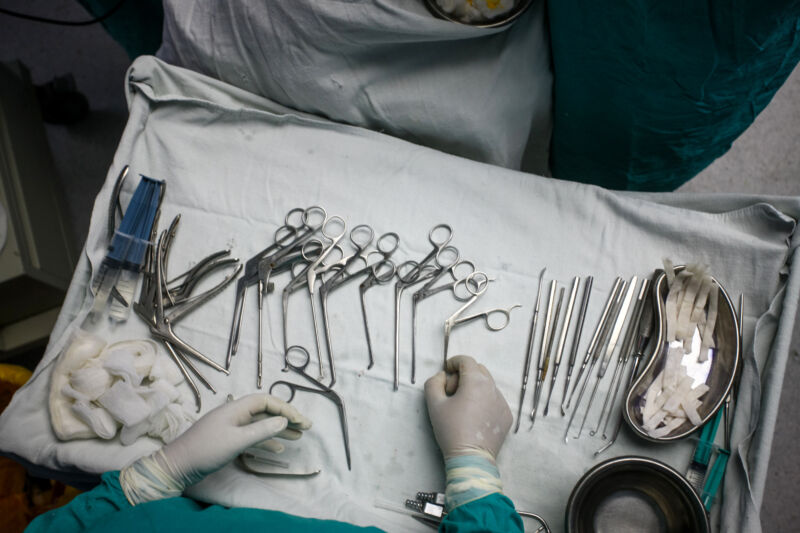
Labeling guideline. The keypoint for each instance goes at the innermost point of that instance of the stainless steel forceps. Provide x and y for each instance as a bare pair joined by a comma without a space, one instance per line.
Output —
448,263
299,226
299,367
439,236
476,284
385,247
155,297
334,229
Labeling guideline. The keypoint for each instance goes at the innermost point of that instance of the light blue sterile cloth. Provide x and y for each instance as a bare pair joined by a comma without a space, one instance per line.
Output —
387,65
235,163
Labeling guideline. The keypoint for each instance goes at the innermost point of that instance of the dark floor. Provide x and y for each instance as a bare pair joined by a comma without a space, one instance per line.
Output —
764,160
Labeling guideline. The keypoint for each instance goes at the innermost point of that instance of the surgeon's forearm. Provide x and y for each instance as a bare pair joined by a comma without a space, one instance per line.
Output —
491,513
85,510
474,497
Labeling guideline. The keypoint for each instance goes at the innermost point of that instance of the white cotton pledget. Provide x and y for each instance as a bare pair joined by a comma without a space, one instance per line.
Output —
101,422
678,394
168,389
82,347
165,368
130,360
130,434
673,369
692,414
91,381
669,270
126,388
169,423
124,404
72,394
156,399
668,428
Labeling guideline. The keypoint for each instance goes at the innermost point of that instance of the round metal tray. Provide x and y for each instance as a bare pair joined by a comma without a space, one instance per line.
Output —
508,18
634,494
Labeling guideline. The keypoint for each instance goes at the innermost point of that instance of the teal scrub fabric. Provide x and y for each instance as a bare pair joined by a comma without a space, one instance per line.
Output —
647,94
105,509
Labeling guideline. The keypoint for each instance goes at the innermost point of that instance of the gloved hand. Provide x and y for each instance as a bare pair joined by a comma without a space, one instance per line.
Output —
470,420
468,413
211,443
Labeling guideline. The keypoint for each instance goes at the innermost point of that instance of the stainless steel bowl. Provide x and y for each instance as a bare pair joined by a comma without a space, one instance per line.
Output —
508,18
718,372
634,494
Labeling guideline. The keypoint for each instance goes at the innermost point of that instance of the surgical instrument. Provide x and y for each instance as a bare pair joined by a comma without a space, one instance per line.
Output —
599,331
593,352
696,474
266,269
430,507
624,353
529,354
334,229
118,273
152,303
645,332
379,274
550,323
405,273
429,289
386,245
114,206
622,314
729,398
622,359
562,339
291,236
715,477
299,367
576,337
411,277
476,283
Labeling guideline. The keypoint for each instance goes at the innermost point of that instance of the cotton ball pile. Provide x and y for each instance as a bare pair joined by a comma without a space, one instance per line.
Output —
691,305
476,10
126,388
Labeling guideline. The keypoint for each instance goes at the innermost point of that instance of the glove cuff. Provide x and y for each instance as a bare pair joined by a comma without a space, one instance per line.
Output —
152,478
470,477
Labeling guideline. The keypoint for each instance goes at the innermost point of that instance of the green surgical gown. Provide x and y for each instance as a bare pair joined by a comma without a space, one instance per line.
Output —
105,509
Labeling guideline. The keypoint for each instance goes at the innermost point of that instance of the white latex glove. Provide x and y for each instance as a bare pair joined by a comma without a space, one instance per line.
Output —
211,443
468,413
470,420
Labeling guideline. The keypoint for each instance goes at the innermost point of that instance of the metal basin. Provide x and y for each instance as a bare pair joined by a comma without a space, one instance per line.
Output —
718,371
508,18
634,494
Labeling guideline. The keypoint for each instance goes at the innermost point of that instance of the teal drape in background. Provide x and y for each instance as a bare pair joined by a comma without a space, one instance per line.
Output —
649,93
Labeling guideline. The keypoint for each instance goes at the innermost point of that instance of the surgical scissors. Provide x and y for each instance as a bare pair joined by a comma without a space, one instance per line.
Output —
319,388
411,277
293,234
476,284
445,265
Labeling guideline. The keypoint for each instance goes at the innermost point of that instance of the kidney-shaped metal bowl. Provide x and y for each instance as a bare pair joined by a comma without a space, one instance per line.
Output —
508,18
634,494
718,371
